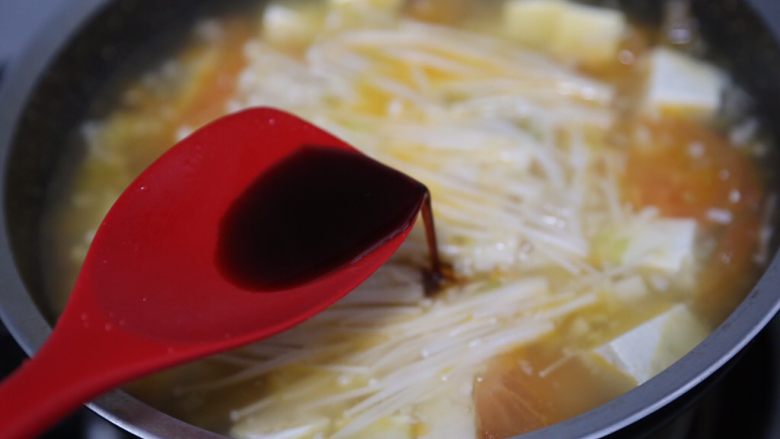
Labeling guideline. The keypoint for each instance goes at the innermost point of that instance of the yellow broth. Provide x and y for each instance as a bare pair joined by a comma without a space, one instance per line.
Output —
667,165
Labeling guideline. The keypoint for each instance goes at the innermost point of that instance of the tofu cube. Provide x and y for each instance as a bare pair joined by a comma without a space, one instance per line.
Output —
344,14
680,85
290,25
660,244
585,34
532,22
449,414
589,35
649,348
379,6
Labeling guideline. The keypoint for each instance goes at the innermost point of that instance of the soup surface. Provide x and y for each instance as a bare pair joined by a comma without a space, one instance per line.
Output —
595,183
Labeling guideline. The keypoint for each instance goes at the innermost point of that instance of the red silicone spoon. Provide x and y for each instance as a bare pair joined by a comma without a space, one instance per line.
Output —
151,292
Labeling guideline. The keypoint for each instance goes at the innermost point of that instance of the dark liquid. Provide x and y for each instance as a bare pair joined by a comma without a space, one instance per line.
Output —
315,211
434,278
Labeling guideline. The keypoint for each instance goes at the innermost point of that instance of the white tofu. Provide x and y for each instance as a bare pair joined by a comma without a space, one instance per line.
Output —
449,414
681,85
532,22
649,348
286,25
585,34
588,34
660,244
345,14
377,6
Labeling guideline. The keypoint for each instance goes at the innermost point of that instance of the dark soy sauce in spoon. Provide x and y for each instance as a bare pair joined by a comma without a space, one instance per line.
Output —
153,292
317,210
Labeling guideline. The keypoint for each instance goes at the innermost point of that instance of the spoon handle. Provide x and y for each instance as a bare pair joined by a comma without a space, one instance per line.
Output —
81,359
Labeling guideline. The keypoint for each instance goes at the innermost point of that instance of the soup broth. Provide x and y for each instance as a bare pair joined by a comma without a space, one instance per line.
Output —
601,205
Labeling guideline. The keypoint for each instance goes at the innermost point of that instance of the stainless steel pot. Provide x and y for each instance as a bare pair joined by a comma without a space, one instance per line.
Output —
46,94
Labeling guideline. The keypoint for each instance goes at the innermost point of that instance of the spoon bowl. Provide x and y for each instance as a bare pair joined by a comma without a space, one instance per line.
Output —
150,293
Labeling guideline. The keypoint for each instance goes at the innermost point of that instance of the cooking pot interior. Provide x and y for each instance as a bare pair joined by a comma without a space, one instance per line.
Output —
127,36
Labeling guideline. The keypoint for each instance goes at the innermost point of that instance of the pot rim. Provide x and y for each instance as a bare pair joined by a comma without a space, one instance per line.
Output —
29,327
